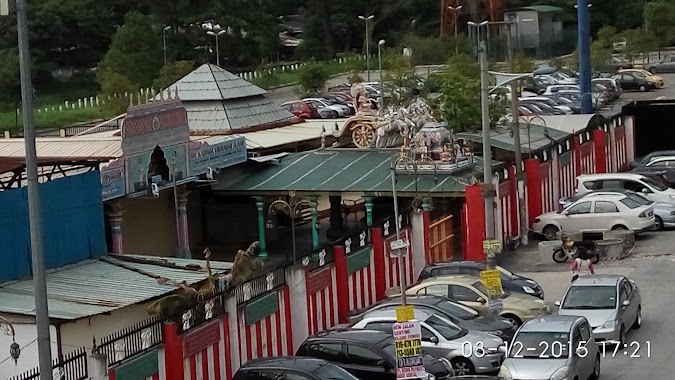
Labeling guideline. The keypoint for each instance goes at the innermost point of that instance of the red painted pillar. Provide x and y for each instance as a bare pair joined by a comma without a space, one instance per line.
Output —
576,154
599,142
173,352
465,233
379,261
533,175
475,223
289,329
513,212
342,282
426,223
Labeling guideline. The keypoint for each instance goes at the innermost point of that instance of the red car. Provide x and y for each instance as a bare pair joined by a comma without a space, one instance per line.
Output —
303,110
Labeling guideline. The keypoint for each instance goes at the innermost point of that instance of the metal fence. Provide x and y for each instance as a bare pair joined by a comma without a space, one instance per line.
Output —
72,367
201,312
131,340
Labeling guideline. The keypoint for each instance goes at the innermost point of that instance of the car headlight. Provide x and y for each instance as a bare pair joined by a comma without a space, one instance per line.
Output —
560,374
528,290
498,333
610,324
504,374
672,196
650,83
430,376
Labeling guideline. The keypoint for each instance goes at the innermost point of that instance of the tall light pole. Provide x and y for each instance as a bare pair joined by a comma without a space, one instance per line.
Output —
166,29
34,207
217,35
207,50
367,20
290,208
487,148
584,54
455,11
379,58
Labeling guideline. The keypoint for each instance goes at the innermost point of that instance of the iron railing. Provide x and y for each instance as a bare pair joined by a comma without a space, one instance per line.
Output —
72,367
131,340
259,285
204,310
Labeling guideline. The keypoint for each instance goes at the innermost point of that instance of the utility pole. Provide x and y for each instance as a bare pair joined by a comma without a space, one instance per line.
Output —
34,209
584,56
401,252
487,150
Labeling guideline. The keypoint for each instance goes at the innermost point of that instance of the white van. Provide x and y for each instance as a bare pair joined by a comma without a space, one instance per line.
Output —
651,188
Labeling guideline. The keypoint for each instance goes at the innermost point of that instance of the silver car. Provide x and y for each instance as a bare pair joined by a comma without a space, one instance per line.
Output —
470,352
611,303
552,347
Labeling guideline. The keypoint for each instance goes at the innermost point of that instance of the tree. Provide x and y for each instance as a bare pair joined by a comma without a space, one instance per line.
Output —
600,55
172,72
135,51
659,19
637,42
313,77
10,85
399,80
113,87
607,36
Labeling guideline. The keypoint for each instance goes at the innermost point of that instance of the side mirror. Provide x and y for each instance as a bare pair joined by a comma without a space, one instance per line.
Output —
645,190
566,213
433,340
581,352
626,303
502,349
557,303
383,363
480,299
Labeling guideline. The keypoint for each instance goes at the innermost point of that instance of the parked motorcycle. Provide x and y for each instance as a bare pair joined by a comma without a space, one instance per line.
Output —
584,249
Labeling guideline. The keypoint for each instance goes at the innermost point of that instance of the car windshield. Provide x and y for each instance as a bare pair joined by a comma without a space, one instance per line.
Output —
654,183
390,350
444,328
330,371
630,203
639,74
540,345
457,310
590,297
640,199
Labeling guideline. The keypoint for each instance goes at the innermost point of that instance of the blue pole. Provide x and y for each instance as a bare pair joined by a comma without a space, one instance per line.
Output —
584,56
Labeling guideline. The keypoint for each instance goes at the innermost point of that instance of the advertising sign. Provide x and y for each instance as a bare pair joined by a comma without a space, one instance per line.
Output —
217,156
405,313
408,341
113,183
405,236
492,281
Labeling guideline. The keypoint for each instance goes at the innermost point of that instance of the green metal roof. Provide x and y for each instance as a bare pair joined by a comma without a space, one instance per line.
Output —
541,8
342,170
536,139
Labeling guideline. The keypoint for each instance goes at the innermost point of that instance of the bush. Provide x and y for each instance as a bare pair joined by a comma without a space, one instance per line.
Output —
112,84
434,50
172,72
313,78
268,77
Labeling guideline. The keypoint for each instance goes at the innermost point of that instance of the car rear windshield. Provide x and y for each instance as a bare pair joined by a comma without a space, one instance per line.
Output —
333,372
540,345
457,310
590,298
652,182
630,203
448,331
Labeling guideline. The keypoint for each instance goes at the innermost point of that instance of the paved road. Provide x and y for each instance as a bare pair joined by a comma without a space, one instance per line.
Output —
651,265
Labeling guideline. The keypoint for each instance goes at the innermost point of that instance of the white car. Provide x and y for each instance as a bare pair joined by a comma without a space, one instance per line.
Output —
470,352
639,183
547,101
552,90
597,214
662,162
340,109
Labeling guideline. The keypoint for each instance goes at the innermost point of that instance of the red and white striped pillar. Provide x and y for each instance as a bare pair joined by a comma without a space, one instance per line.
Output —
534,198
115,219
182,224
474,228
173,352
341,282
599,142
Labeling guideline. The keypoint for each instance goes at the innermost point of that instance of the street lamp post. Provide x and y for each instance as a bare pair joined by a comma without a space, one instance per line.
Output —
455,11
14,349
217,35
166,29
207,49
379,58
583,21
367,20
290,208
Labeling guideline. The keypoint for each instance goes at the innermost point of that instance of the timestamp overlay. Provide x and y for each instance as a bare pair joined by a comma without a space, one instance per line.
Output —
629,349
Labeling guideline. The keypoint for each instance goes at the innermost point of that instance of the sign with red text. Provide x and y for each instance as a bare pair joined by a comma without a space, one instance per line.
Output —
408,341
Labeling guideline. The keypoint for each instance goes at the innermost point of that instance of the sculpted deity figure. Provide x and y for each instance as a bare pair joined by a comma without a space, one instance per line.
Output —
361,100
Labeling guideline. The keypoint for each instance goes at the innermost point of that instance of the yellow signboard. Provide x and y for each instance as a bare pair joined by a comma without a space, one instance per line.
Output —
405,313
492,247
409,347
492,280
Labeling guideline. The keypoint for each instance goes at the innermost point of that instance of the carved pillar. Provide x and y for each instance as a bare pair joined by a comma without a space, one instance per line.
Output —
426,204
369,210
337,226
260,204
182,224
115,219
315,219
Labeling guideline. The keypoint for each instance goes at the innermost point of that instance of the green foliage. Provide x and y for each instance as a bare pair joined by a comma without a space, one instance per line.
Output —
354,64
459,102
135,51
430,50
638,42
607,36
10,86
600,54
659,19
268,77
313,78
172,72
522,64
399,79
113,83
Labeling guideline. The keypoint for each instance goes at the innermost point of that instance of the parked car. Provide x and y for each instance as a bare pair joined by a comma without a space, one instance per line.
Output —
658,81
547,101
665,65
563,101
469,291
611,303
337,98
336,110
535,85
510,281
441,338
597,214
666,176
664,213
302,109
291,367
652,189
553,89
614,64
545,108
368,355
462,316
632,81
651,156
612,86
553,347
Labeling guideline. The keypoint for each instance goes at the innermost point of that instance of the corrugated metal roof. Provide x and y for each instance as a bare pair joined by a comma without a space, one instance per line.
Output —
100,286
534,139
309,130
340,170
210,82
234,114
80,147
569,123
541,8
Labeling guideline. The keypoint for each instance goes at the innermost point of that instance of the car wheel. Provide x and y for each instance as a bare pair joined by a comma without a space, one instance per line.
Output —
550,232
643,88
462,366
619,227
638,319
333,114
596,369
622,336
512,319
658,224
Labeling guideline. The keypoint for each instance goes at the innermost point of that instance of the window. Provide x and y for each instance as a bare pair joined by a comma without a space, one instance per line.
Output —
427,334
296,376
634,186
462,293
362,356
447,330
623,293
602,207
628,78
444,271
654,183
470,271
585,331
387,327
630,203
331,352
611,184
436,290
592,185
580,208
658,163
260,374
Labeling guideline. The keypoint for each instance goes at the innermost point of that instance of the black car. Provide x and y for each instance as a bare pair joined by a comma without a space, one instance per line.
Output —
510,281
642,161
366,354
462,316
632,81
291,368
665,176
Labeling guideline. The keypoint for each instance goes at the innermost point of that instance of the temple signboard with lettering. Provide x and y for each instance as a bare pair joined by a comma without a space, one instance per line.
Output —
216,156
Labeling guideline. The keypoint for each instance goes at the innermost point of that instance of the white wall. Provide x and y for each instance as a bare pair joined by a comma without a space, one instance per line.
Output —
419,259
26,335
